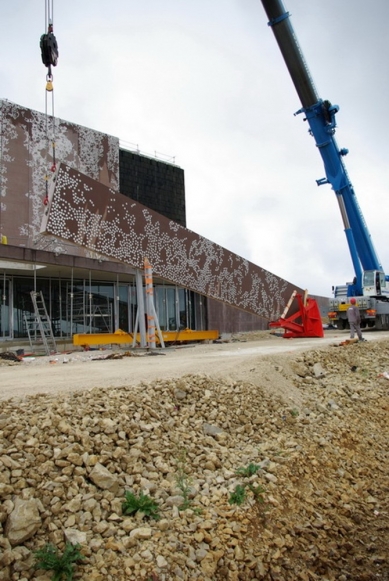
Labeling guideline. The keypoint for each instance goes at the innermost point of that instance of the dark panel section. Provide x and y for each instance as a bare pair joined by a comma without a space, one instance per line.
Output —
158,185
324,305
227,319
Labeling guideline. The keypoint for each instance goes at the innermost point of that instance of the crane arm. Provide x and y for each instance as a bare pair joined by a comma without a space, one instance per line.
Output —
320,116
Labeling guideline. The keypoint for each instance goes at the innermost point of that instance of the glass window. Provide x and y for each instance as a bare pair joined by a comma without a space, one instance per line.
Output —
171,308
92,307
5,309
182,308
23,311
160,307
368,278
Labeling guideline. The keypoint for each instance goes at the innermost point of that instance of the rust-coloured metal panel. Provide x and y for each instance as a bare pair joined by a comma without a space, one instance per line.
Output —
91,215
227,319
26,157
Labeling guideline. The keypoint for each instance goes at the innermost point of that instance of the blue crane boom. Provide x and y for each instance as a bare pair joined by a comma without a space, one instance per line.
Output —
320,115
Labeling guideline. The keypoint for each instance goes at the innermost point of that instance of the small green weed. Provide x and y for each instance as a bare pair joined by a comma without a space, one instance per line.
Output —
142,503
294,413
239,495
49,558
257,492
250,470
184,482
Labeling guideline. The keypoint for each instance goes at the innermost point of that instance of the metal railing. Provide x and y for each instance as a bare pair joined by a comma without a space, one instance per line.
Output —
170,159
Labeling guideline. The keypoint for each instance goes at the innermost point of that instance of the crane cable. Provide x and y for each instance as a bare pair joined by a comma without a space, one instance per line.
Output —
49,53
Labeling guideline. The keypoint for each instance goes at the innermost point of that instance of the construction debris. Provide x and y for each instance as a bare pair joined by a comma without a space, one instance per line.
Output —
10,356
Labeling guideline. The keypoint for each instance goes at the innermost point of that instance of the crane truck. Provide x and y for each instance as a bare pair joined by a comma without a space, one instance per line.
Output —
370,285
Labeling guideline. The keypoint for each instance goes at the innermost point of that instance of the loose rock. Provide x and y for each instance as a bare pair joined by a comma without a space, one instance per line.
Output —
67,460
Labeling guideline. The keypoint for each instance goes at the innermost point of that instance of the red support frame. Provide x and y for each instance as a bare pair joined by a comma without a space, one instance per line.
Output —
310,324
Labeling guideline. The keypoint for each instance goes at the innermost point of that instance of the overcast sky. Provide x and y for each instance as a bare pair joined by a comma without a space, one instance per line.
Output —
204,81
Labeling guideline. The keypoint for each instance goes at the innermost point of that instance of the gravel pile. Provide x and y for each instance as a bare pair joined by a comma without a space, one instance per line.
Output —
66,462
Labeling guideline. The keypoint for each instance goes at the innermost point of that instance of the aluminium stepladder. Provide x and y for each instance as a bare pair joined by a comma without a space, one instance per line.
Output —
43,322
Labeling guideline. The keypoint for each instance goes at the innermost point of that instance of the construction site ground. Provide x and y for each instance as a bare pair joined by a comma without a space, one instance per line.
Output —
310,414
238,357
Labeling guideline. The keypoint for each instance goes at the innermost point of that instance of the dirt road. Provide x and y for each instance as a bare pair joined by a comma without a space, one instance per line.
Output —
240,359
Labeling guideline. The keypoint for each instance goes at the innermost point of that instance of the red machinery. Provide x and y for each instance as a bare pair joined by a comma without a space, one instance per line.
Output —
308,315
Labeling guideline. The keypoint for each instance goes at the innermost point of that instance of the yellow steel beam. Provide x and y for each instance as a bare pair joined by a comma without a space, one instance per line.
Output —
120,337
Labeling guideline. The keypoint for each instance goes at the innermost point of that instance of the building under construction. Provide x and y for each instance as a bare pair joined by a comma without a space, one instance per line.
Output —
78,236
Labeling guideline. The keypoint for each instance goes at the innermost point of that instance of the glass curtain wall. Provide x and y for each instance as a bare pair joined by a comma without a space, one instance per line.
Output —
126,307
178,308
92,306
54,296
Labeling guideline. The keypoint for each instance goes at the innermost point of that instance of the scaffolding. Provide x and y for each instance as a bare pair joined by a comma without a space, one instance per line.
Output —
93,314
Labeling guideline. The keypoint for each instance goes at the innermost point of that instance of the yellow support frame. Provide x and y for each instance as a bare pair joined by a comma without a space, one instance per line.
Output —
120,337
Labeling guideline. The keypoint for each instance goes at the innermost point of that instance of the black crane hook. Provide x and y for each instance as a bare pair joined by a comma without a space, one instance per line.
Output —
49,52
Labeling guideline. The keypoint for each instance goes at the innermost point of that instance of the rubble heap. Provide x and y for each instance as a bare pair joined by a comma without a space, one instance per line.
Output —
67,461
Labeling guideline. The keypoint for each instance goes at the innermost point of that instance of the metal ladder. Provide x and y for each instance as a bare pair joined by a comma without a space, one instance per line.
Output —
43,322
31,326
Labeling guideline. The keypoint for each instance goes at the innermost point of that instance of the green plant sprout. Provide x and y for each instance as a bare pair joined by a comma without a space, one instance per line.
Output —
142,503
257,492
184,482
49,558
239,495
250,470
